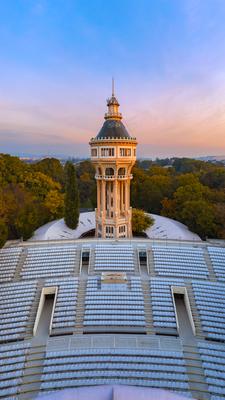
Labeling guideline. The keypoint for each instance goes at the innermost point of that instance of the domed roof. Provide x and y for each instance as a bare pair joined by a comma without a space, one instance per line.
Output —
113,100
113,128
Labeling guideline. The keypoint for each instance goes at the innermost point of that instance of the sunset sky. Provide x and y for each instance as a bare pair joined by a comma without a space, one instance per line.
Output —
57,58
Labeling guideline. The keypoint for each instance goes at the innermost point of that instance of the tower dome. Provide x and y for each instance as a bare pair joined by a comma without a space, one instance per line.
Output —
113,128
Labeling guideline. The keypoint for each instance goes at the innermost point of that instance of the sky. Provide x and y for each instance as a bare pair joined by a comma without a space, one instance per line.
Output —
57,59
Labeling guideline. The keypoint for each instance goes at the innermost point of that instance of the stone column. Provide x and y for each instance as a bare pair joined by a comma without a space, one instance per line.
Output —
127,191
98,197
121,197
115,206
103,197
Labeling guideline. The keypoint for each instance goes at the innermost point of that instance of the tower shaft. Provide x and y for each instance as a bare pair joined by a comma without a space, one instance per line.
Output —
113,153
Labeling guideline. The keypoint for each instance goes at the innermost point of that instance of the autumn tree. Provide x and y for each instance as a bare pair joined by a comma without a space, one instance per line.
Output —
50,167
71,204
140,221
54,203
28,198
3,232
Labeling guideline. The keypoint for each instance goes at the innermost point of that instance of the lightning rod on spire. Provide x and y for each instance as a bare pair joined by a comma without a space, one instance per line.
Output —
112,86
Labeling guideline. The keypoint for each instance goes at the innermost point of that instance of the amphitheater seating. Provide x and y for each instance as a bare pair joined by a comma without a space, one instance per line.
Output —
67,369
210,301
12,361
15,303
49,261
114,258
213,361
65,308
217,257
180,261
9,258
114,304
162,302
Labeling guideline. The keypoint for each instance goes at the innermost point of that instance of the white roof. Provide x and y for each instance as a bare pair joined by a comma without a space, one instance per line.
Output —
163,228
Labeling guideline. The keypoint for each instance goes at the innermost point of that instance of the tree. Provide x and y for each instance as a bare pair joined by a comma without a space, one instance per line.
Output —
40,184
3,233
54,203
140,221
199,216
71,204
51,167
26,221
215,178
187,179
86,184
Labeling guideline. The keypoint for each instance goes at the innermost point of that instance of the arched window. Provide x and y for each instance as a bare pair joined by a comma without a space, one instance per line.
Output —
109,171
122,171
99,171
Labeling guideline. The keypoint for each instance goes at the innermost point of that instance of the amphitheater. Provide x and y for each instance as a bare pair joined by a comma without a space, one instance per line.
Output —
90,312
114,311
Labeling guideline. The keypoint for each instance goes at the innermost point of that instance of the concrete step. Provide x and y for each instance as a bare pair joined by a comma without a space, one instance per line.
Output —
212,275
20,263
31,380
197,383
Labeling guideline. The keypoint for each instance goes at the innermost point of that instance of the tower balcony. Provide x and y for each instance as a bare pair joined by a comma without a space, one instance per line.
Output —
105,177
113,177
113,115
124,177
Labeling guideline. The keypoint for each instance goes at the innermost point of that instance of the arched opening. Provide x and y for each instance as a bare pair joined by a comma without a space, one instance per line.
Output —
109,171
99,171
122,171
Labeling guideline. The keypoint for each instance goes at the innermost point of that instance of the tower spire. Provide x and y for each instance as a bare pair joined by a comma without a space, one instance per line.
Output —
113,105
113,87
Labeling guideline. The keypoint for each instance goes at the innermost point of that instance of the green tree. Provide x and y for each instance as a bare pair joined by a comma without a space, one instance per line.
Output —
3,232
50,167
86,184
26,221
54,202
185,165
187,179
71,204
140,221
215,178
40,184
199,216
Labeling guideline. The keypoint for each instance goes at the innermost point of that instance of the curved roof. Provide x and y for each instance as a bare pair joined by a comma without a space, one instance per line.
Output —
113,100
113,128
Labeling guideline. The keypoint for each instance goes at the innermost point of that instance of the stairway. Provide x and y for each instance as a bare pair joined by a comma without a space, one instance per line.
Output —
136,262
31,380
77,261
194,310
33,310
151,265
20,263
197,384
80,307
92,262
212,275
148,309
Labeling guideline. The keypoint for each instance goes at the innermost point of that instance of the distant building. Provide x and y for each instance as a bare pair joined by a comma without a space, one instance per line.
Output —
113,153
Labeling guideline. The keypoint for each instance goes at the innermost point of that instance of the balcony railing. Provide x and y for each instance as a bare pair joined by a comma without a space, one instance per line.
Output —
121,177
113,177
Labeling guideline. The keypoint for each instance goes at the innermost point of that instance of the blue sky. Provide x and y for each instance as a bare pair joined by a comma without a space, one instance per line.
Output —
57,59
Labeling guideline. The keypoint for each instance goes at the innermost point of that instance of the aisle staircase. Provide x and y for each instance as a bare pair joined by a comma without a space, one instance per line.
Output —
31,380
148,309
80,307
